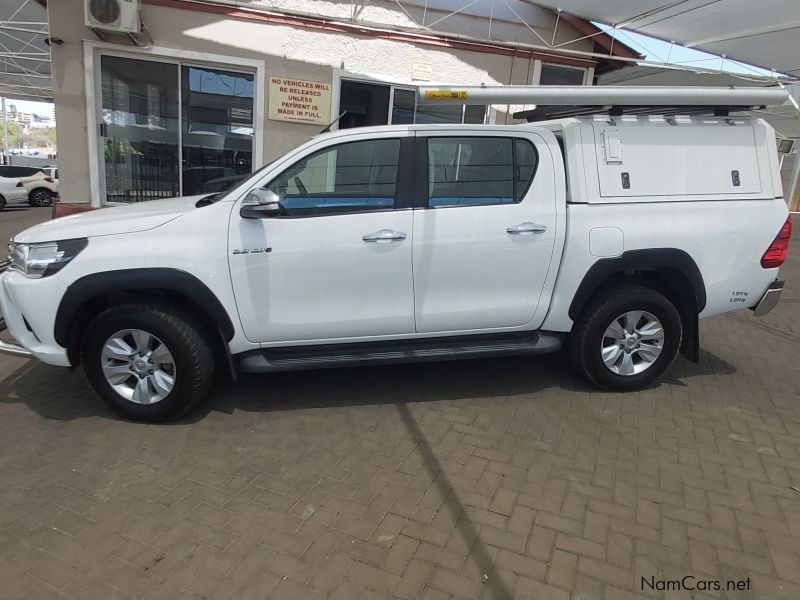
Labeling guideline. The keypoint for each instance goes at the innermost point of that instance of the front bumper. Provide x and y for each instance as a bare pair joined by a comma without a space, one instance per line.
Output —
28,308
770,298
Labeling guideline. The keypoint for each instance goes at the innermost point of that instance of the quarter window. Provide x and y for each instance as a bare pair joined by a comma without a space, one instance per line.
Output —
475,171
355,176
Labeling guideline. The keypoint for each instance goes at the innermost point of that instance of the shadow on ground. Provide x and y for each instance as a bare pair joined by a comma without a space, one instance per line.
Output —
59,394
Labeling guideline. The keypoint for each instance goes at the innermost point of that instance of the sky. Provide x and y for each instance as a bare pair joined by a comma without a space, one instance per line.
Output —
37,108
658,51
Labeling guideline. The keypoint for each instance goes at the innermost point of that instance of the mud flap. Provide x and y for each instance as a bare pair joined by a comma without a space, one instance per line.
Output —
690,345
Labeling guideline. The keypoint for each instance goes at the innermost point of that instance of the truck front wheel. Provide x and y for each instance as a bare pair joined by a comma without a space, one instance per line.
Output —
148,360
626,338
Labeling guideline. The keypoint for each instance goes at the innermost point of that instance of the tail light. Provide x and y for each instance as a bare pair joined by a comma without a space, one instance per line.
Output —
50,179
776,253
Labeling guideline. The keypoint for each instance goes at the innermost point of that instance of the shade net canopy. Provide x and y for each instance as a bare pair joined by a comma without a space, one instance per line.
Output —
24,56
764,33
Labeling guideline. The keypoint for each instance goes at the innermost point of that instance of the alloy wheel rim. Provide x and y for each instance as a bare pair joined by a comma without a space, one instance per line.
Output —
138,366
632,343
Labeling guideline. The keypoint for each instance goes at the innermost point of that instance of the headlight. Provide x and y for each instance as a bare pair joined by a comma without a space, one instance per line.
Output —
41,260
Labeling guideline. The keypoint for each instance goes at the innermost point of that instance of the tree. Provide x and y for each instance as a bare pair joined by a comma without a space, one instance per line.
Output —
14,134
39,138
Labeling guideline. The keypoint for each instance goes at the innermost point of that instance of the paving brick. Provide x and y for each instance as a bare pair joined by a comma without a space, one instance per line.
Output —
541,543
562,571
604,571
451,583
372,577
503,502
536,590
519,564
580,546
413,580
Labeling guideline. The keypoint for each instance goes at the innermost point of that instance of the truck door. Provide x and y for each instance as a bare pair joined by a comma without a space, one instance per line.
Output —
335,264
484,240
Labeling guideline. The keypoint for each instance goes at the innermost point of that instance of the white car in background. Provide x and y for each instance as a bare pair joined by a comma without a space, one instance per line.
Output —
36,185
11,190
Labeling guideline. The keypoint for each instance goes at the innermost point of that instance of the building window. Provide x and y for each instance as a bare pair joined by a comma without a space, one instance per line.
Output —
404,104
170,129
362,104
561,75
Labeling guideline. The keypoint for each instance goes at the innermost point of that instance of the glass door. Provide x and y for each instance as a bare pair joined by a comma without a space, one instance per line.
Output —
217,128
171,129
139,128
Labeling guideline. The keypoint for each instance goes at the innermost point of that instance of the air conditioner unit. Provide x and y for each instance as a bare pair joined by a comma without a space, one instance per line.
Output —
119,16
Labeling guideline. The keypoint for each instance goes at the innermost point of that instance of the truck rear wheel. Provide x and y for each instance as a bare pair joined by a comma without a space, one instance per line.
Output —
626,338
148,361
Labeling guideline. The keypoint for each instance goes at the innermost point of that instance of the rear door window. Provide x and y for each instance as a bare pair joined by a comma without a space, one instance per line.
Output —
14,171
479,171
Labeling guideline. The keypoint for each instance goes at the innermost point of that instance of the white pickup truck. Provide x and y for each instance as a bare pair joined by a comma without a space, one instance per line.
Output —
607,235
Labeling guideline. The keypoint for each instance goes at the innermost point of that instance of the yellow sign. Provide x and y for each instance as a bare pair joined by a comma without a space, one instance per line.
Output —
445,95
299,101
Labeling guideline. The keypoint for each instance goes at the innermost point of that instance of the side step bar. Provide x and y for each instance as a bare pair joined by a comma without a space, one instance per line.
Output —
378,353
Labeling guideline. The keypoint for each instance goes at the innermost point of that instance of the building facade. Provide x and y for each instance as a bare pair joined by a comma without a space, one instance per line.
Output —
211,91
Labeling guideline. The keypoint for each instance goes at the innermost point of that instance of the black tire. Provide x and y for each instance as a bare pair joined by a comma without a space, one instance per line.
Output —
2,203
41,197
587,336
194,364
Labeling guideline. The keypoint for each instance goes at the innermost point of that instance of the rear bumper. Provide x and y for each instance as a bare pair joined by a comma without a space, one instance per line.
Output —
770,298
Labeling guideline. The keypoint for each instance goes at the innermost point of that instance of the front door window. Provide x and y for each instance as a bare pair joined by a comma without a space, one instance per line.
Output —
350,177
170,129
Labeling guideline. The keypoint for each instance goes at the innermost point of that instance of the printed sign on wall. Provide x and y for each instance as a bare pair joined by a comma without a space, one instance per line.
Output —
299,101
422,71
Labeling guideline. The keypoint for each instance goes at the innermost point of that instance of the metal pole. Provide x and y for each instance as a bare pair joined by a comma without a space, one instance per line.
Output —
601,95
5,133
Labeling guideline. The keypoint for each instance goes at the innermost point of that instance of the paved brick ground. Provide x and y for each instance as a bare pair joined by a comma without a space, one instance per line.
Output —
494,479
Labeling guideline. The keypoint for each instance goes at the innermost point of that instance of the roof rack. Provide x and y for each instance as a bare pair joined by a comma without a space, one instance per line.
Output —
555,102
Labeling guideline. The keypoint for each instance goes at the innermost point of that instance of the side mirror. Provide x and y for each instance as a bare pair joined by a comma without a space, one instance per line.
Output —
260,203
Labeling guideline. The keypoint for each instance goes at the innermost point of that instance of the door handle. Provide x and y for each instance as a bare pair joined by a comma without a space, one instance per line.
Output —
526,228
384,236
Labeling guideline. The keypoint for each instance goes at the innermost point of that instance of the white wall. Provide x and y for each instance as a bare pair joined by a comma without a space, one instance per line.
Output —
287,50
